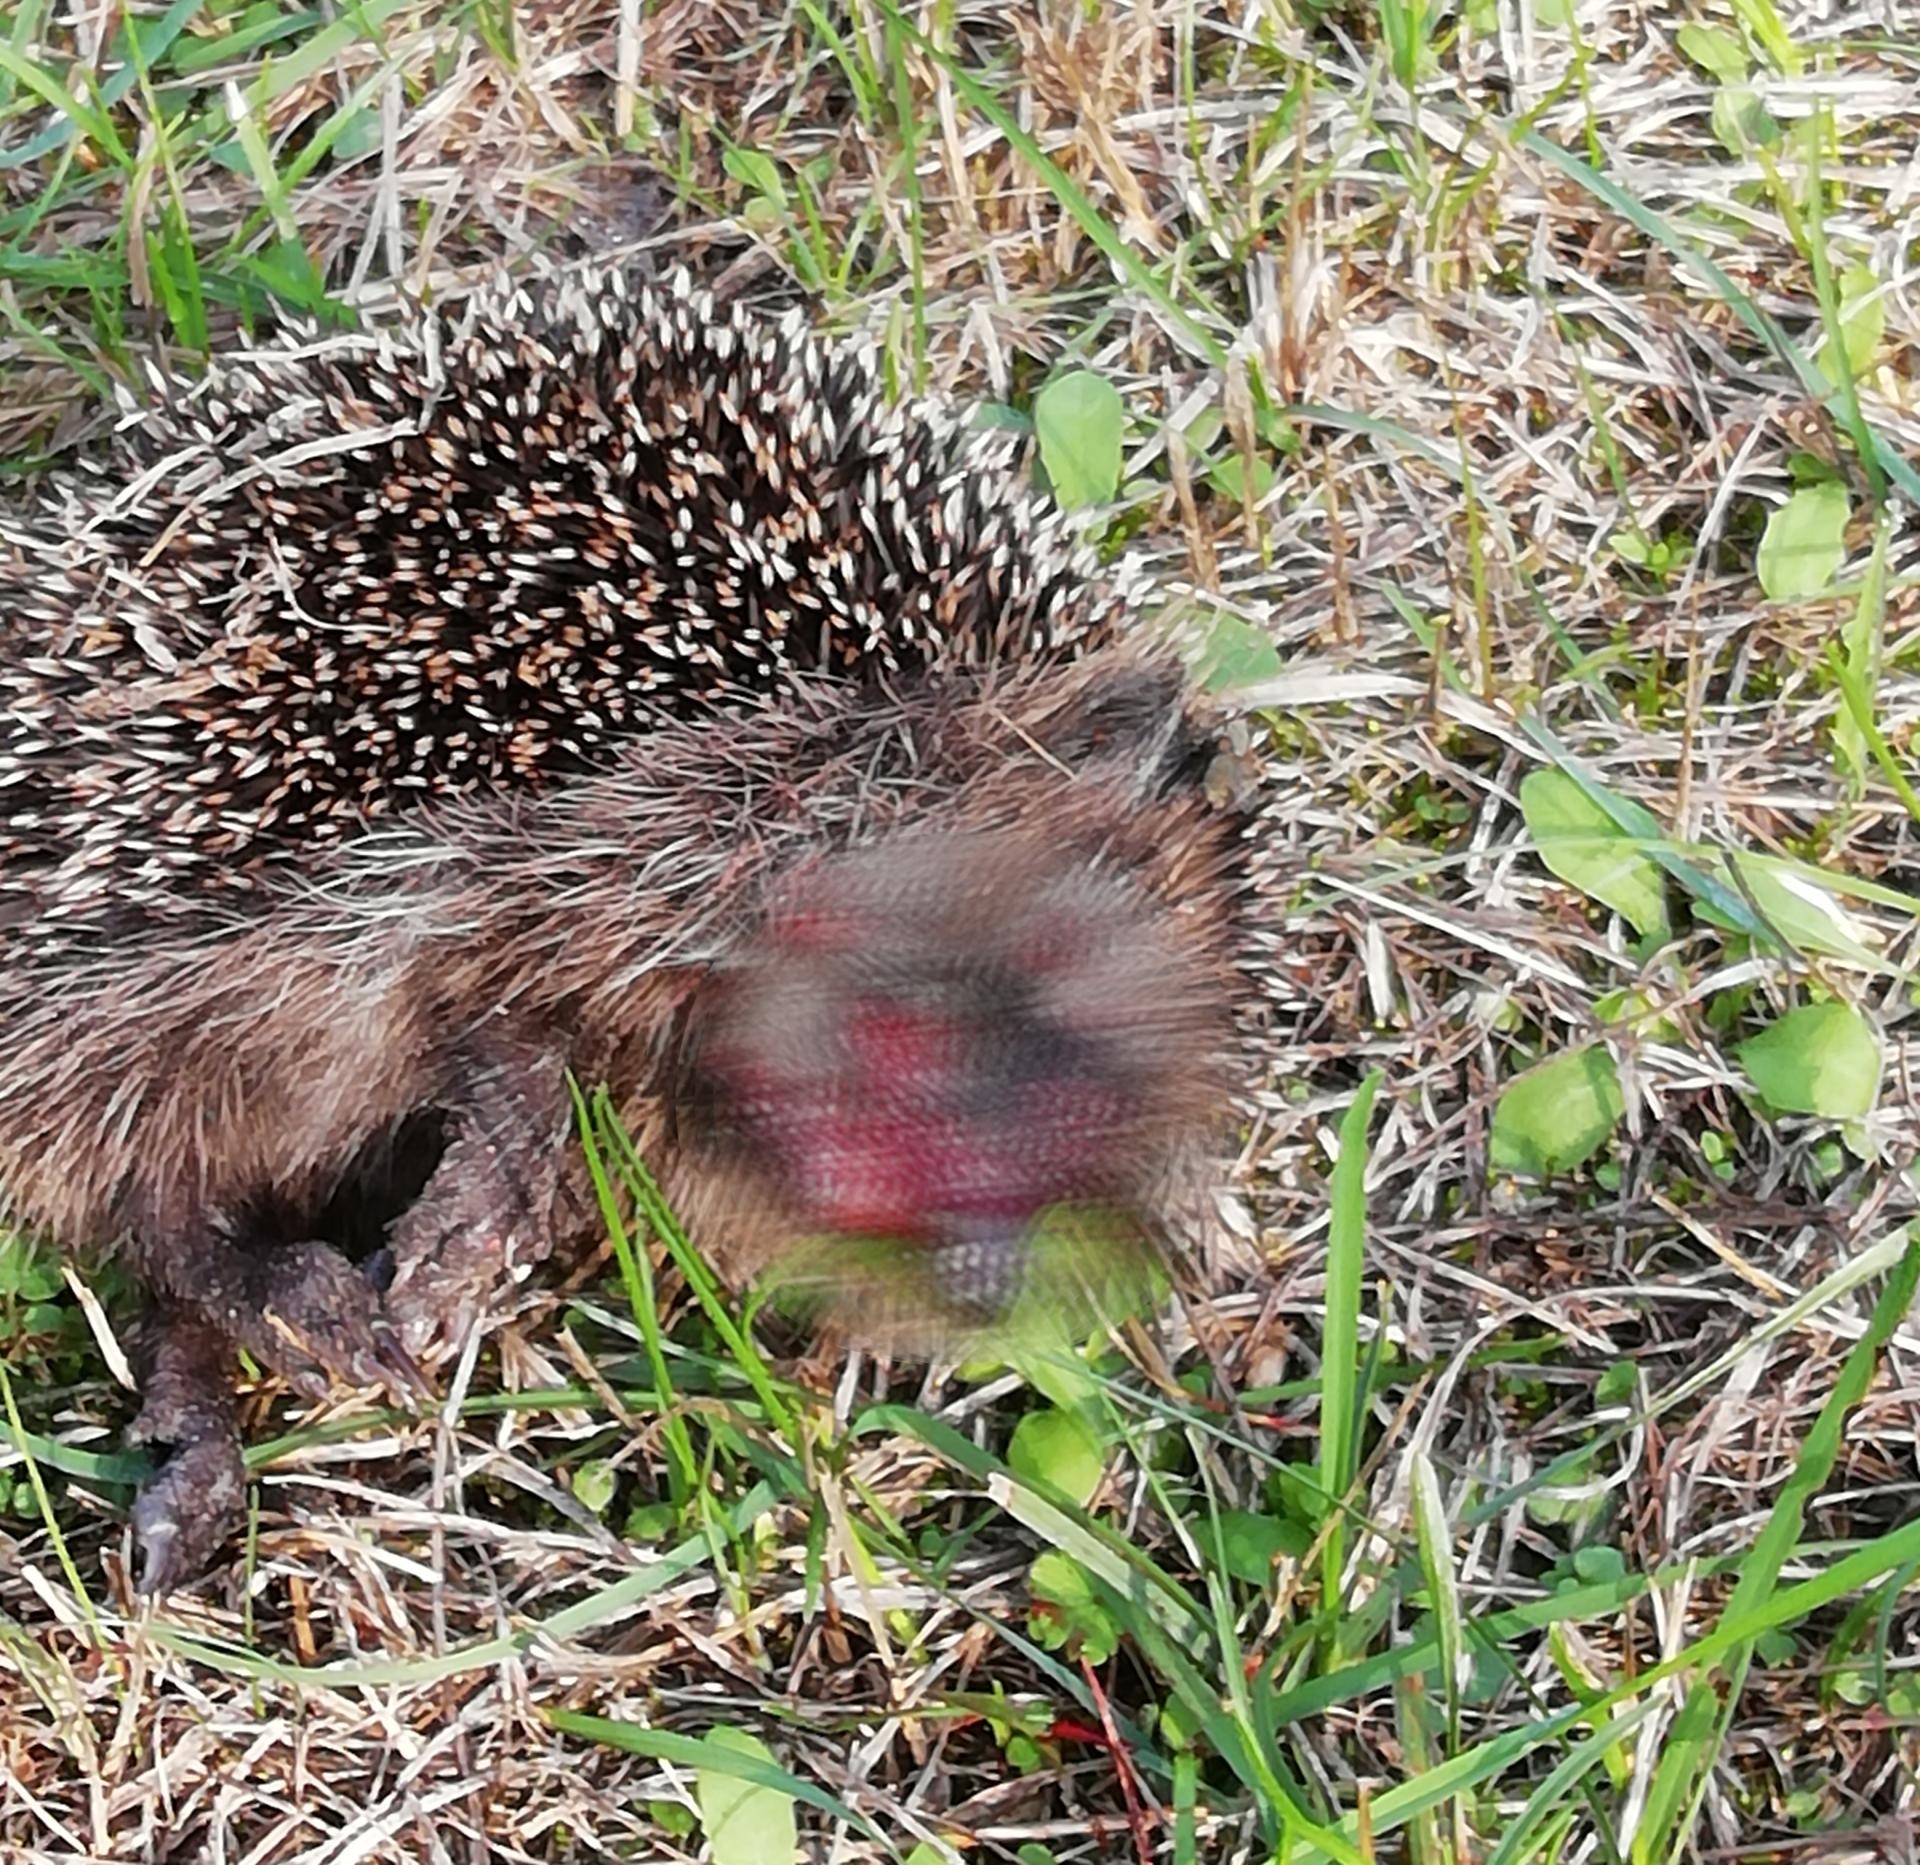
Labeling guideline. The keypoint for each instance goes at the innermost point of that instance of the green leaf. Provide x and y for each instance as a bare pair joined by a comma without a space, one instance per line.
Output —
1236,654
1054,1447
1250,1544
1821,1059
757,173
1597,1566
1071,1616
1229,478
1741,122
1434,1540
1582,845
594,1483
358,134
672,1818
1863,322
1799,903
1716,51
748,1823
1804,543
1557,1116
1080,422
1341,1399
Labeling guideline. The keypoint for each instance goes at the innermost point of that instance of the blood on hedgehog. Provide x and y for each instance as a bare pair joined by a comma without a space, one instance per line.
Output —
597,682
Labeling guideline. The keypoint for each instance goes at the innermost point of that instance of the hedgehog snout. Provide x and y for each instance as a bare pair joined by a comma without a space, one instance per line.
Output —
937,1042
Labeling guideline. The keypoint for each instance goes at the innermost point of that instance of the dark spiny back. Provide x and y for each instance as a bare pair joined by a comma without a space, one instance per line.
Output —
338,577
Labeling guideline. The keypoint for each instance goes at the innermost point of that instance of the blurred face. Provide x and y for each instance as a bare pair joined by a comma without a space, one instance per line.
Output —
932,1042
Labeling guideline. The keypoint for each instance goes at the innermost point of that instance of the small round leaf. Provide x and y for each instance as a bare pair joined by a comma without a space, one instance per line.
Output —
1557,1116
1821,1059
1054,1447
1080,422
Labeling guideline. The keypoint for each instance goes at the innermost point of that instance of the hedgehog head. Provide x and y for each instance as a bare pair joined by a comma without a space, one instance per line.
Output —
943,1059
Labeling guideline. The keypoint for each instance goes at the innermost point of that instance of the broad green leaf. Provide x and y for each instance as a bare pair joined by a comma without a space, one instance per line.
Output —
1080,422
1804,543
1583,846
1250,1544
1863,322
747,1823
1716,51
1054,1447
1557,1116
1797,903
1821,1059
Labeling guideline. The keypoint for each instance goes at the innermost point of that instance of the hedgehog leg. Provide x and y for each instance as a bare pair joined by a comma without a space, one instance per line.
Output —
193,1501
486,1214
299,1307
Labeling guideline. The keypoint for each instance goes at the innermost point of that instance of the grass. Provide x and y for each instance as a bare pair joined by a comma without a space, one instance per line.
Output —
1466,357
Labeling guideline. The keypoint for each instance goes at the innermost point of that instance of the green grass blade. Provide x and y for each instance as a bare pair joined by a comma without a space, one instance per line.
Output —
1701,1728
1657,227
1340,1351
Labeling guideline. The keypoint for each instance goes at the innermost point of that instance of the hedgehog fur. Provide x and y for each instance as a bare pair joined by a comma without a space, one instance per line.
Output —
601,683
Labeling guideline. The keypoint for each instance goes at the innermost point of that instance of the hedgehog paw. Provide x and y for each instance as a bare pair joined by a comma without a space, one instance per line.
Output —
486,1214
195,1499
187,1510
452,1251
312,1318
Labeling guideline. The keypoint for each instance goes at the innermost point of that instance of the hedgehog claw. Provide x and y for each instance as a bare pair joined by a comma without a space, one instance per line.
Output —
441,1294
187,1511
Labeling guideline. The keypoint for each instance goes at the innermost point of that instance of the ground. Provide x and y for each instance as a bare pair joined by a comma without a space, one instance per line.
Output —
1525,394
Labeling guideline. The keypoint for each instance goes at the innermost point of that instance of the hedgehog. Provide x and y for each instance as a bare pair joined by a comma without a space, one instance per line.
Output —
594,684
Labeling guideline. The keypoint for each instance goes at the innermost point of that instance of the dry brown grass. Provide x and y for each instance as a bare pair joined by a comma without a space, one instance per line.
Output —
1532,375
